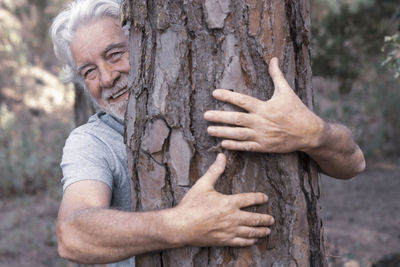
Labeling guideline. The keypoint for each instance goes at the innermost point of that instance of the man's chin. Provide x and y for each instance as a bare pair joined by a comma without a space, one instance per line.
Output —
116,110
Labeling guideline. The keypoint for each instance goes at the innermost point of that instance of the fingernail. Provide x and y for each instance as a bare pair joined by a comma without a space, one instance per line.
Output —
216,92
265,198
272,220
210,130
268,231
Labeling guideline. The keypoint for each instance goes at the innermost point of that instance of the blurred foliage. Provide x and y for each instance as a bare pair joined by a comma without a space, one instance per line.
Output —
347,40
31,149
392,47
24,40
34,16
35,108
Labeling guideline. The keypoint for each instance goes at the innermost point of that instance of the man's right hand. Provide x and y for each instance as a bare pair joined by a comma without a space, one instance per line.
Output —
90,232
206,217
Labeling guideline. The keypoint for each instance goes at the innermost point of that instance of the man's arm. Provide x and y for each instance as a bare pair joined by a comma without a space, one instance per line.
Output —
337,154
284,124
88,231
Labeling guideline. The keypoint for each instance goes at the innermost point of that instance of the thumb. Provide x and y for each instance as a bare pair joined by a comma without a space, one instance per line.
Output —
214,171
276,74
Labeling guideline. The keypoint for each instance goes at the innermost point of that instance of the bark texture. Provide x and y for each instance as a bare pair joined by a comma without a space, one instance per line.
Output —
180,51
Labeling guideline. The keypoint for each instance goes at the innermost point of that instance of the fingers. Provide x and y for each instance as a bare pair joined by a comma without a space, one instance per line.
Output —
229,117
242,242
242,145
277,76
237,133
253,232
248,236
246,102
252,219
248,199
214,171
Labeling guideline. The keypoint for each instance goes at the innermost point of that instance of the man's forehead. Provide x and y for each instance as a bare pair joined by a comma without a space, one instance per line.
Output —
94,37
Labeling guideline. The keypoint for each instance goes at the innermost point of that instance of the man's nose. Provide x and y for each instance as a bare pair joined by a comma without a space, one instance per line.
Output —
108,75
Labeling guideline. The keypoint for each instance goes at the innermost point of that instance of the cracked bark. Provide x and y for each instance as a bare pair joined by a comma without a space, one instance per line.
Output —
180,51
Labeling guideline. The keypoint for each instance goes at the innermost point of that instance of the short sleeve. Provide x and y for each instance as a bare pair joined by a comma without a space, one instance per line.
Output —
85,157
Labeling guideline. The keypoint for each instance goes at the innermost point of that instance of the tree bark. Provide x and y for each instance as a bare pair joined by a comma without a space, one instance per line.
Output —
181,50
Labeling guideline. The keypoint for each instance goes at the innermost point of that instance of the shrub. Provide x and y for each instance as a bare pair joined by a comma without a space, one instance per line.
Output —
30,150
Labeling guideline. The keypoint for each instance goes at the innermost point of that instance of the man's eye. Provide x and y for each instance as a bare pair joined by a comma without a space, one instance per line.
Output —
115,55
88,73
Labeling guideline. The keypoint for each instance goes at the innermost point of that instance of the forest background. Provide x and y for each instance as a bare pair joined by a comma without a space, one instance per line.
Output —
356,63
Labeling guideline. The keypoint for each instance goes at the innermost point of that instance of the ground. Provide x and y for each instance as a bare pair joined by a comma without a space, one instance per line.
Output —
361,220
361,216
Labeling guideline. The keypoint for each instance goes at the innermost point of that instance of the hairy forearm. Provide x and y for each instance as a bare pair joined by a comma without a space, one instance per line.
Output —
336,153
98,235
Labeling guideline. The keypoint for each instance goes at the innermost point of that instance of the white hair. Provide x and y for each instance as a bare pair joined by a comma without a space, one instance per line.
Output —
66,23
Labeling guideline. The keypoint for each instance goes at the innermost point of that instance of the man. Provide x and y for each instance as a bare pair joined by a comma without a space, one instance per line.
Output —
95,224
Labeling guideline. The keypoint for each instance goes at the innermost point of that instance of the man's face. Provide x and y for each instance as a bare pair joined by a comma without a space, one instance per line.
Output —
100,50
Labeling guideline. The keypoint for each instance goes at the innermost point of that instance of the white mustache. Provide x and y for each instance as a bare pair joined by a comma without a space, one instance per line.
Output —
121,84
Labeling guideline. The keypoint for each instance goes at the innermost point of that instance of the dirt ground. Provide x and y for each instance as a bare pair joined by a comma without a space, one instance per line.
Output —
361,220
27,227
361,216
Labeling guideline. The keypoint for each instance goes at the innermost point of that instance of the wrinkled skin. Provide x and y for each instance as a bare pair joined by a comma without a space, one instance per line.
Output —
219,219
284,124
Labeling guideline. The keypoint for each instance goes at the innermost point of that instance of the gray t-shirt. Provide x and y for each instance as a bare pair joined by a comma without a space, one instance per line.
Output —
96,151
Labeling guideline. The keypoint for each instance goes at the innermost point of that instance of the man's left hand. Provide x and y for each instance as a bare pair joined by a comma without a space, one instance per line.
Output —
281,124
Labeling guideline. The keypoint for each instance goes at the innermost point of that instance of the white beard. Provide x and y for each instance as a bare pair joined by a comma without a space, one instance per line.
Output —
117,109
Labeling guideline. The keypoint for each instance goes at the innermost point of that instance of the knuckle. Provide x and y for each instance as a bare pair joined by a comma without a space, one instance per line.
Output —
255,234
242,102
227,225
247,199
239,119
243,135
220,237
252,234
214,170
247,147
225,204
258,220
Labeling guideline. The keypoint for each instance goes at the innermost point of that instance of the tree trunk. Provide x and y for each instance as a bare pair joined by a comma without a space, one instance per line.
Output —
181,50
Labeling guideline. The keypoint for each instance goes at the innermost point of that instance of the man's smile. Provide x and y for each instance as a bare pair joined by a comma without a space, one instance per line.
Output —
119,95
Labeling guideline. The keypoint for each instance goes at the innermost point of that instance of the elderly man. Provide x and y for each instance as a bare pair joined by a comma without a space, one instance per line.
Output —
95,224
